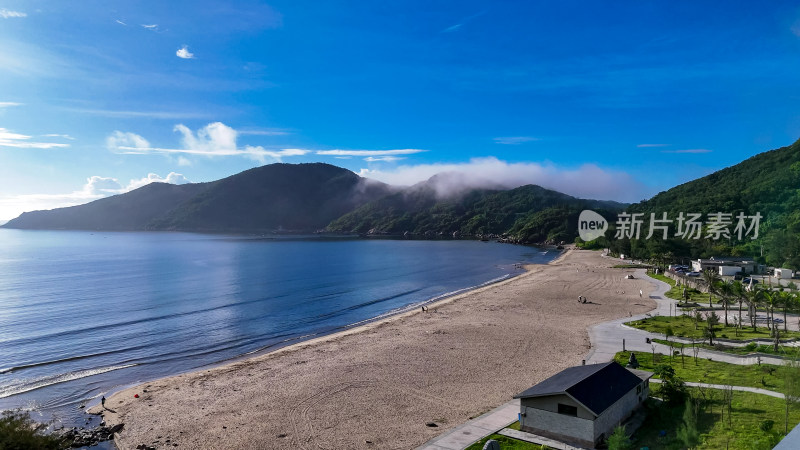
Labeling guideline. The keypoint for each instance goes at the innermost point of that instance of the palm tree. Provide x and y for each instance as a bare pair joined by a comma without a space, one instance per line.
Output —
711,278
741,296
725,290
755,296
770,300
786,299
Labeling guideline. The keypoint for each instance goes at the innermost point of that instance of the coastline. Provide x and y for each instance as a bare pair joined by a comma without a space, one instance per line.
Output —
377,385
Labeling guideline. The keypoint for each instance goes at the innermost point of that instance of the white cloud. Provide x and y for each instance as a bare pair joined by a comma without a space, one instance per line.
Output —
586,181
170,115
404,151
7,14
121,22
96,187
264,132
65,136
215,139
182,161
9,104
651,145
99,186
119,139
383,158
172,178
153,27
514,140
689,150
184,53
16,140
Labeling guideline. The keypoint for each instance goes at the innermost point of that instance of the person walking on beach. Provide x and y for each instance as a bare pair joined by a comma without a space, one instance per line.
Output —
103,402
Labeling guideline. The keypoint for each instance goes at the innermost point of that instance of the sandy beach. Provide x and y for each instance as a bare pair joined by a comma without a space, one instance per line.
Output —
378,386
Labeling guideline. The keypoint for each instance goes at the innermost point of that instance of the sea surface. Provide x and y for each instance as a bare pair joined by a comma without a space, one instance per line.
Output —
83,314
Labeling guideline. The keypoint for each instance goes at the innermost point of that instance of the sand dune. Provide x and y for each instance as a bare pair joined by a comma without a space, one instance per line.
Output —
378,386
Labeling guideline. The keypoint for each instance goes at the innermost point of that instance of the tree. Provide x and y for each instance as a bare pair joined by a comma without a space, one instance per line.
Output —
791,387
668,333
770,300
619,440
687,431
672,389
726,290
739,292
785,299
712,319
17,430
711,278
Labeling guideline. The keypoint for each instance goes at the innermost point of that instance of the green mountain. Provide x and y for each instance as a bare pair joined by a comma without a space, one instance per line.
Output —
126,212
525,214
302,197
767,184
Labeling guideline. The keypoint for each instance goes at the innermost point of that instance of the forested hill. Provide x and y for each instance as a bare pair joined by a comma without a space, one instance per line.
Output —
310,197
291,197
768,183
526,214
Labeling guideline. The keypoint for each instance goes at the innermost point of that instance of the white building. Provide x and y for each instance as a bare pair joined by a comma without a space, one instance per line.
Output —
783,273
716,264
581,405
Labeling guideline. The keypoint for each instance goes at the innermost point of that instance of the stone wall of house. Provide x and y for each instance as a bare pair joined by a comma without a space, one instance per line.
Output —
618,412
550,403
558,426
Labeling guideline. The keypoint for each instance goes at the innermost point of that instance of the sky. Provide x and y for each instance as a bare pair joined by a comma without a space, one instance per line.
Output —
605,100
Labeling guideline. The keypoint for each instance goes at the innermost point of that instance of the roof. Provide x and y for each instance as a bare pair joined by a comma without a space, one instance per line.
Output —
595,386
642,374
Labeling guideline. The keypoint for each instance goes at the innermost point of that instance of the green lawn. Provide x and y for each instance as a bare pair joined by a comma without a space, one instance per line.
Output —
765,376
676,292
663,278
507,442
743,432
684,326
783,350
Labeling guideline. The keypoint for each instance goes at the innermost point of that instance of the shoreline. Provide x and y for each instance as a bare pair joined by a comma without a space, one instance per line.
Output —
344,330
342,359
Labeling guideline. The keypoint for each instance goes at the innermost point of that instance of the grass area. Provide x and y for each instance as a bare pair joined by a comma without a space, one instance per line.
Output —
744,431
663,278
676,292
684,326
507,442
765,376
752,347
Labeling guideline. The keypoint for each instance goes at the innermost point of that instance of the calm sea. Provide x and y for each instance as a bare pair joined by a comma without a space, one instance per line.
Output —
82,314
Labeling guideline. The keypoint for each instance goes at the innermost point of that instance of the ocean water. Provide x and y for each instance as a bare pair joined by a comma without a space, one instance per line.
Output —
83,314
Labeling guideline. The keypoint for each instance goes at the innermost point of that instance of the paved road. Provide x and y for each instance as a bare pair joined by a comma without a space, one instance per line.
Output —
606,339
735,388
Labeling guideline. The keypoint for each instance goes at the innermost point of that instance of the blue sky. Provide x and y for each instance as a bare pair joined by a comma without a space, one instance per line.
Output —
604,100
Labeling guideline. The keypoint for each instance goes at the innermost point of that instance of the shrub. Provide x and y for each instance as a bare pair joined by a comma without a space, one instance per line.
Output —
764,348
19,431
751,346
766,425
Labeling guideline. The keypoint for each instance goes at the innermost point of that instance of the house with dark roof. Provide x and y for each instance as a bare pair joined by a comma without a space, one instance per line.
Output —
582,405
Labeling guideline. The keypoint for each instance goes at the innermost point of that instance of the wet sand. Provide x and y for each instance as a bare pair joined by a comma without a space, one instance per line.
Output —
377,386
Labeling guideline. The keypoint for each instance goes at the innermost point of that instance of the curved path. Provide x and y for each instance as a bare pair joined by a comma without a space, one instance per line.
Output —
607,337
606,340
